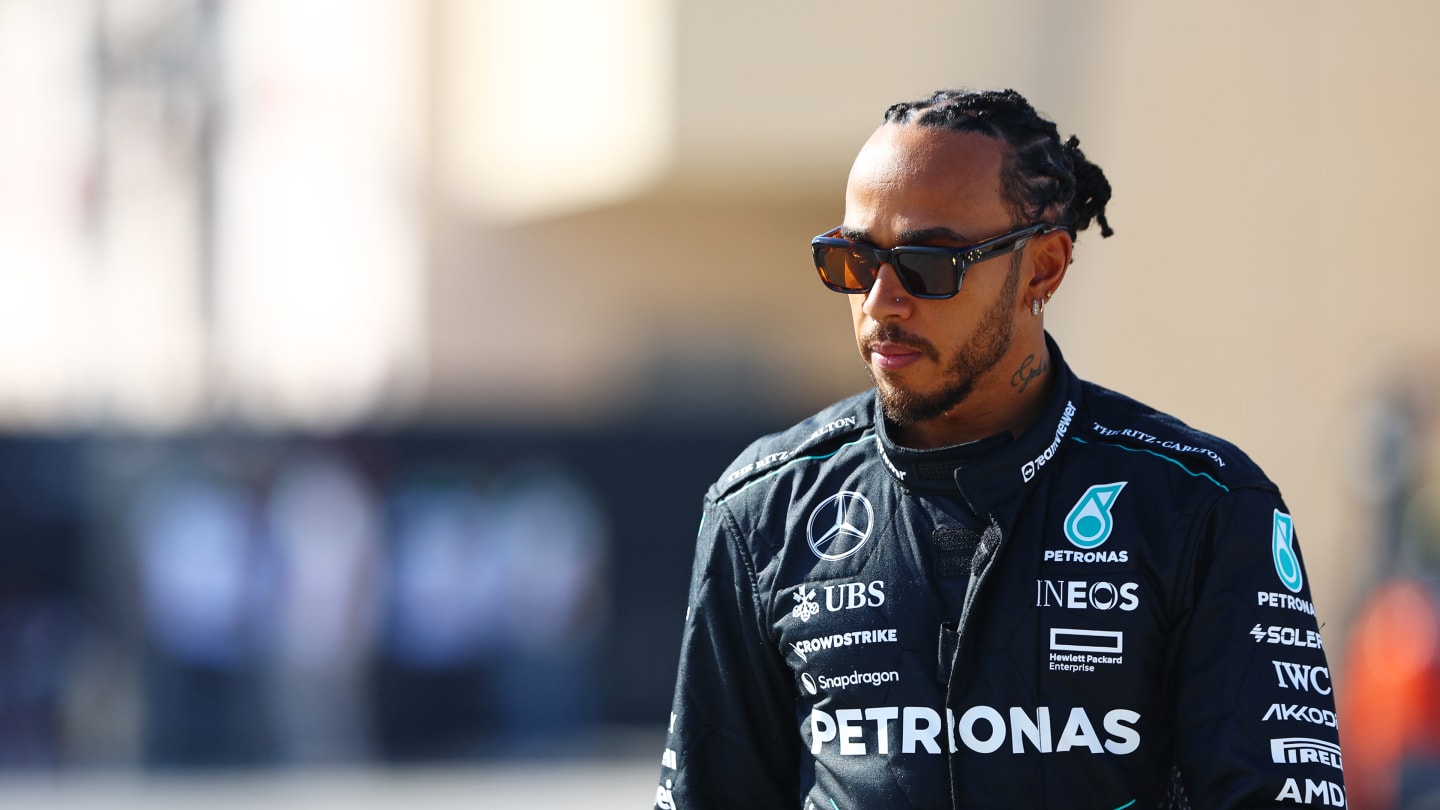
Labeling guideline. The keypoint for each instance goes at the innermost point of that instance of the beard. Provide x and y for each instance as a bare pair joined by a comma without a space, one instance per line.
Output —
984,350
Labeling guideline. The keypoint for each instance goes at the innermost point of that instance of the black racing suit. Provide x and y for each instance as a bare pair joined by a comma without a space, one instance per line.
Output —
1109,611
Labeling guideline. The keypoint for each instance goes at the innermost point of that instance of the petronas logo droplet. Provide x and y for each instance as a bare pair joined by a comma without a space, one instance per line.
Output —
1089,524
1282,544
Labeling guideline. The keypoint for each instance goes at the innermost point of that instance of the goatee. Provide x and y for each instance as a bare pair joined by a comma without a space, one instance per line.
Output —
984,350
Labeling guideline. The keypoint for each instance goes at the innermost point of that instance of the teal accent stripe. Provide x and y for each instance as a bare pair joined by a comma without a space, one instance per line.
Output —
1187,470
1132,801
837,807
863,437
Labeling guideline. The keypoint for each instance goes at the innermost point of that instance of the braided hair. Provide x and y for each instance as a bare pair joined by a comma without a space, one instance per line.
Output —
1044,180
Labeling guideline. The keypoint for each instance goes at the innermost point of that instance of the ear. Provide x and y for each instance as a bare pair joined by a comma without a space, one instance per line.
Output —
1049,259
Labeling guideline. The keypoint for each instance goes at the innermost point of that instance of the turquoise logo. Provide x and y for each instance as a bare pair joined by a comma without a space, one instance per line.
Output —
1287,565
1089,524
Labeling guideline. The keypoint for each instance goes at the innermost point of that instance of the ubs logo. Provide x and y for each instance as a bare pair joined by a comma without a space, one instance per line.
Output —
840,525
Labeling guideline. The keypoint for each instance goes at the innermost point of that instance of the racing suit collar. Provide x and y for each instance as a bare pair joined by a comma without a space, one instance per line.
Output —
989,470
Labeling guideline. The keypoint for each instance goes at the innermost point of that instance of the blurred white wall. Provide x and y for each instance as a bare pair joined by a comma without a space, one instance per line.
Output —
319,265
548,106
210,211
46,283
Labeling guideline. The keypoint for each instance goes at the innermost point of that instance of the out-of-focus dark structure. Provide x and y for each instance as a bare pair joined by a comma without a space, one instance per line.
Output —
420,596
408,596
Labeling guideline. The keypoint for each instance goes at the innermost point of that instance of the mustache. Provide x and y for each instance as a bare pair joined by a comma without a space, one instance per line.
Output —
890,332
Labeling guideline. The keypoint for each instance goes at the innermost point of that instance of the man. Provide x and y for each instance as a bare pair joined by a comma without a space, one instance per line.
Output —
990,583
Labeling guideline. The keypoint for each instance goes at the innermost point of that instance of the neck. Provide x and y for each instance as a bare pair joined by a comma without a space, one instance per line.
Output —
1006,399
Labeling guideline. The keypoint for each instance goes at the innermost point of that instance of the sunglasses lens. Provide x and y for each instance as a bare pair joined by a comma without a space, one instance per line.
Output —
927,274
845,268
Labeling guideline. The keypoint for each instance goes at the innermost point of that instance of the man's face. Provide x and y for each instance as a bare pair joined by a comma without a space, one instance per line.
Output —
920,186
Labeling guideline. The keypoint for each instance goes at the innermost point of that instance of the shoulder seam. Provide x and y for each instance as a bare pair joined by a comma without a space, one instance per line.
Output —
1176,462
728,493
734,539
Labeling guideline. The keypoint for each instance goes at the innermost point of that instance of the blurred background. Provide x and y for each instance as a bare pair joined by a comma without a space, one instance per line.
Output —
363,362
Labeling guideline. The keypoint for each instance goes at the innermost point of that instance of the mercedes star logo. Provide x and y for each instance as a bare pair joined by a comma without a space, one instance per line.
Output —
845,520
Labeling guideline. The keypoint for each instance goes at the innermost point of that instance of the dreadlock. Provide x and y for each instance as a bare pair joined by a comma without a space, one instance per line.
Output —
1044,180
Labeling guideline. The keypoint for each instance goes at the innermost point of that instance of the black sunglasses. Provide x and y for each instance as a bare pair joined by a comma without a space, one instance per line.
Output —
925,272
